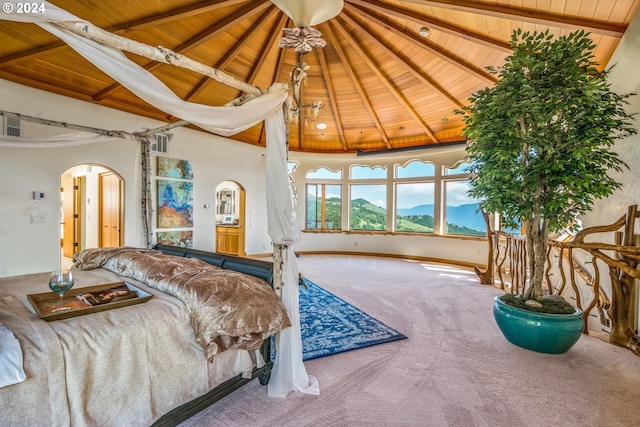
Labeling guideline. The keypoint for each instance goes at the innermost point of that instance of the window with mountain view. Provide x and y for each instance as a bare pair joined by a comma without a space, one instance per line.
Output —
414,204
368,210
324,206
414,207
461,210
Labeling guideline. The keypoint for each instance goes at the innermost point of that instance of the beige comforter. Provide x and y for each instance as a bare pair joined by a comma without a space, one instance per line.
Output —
229,310
121,367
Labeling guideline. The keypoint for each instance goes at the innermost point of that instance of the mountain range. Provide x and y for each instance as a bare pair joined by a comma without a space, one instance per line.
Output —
463,215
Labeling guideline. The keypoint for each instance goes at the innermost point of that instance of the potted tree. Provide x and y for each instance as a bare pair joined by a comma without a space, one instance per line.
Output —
539,144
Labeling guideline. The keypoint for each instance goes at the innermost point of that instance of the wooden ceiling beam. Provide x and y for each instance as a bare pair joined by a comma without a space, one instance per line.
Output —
410,36
403,59
229,56
276,34
525,15
398,12
366,57
356,83
241,14
153,20
176,14
326,76
278,71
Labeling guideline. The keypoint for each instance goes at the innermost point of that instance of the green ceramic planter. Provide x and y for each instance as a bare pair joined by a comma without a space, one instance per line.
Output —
541,332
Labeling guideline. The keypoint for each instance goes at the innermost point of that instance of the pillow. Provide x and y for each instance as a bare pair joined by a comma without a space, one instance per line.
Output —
11,370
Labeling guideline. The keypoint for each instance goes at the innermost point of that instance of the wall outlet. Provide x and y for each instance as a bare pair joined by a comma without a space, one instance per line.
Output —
355,243
37,219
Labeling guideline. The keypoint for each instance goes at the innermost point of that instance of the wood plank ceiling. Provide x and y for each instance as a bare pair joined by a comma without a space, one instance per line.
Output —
385,86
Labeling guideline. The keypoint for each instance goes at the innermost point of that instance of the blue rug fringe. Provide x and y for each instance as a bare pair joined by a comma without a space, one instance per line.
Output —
330,325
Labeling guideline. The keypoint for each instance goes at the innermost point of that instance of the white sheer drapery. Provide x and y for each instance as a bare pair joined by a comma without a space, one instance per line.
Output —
66,140
287,374
289,371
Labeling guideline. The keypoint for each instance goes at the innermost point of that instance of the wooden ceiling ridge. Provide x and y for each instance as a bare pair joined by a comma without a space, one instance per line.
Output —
409,65
422,19
447,55
176,14
231,54
138,24
326,75
368,59
357,85
522,14
223,25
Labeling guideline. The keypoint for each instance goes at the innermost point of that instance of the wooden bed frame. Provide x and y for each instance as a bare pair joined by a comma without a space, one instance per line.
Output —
257,268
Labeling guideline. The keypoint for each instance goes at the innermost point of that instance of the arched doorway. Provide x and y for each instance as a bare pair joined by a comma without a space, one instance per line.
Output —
91,209
230,221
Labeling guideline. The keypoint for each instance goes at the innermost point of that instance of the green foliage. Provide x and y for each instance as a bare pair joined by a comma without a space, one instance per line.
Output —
540,140
367,216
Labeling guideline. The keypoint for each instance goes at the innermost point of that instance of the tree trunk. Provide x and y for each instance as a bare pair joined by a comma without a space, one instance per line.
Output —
536,238
486,276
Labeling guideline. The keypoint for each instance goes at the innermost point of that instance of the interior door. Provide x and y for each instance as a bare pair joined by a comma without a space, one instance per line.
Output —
69,244
110,201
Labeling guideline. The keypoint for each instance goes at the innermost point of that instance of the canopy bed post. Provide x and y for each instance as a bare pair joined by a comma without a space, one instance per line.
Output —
146,199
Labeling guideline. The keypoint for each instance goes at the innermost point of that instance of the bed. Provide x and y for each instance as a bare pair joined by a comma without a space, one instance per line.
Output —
154,363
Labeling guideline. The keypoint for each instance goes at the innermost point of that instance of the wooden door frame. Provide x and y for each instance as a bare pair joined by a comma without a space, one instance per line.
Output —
120,203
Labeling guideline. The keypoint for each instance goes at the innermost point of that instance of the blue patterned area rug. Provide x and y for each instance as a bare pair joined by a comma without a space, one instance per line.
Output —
330,325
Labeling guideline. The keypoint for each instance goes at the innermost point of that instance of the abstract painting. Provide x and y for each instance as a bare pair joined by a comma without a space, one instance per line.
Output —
174,168
182,239
175,204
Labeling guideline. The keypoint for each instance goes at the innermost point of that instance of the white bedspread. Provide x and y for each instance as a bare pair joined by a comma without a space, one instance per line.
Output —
126,366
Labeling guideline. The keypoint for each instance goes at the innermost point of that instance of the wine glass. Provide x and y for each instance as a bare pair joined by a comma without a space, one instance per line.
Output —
60,282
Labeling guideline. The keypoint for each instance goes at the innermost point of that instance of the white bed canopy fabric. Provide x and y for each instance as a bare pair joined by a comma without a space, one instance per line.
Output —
65,140
289,373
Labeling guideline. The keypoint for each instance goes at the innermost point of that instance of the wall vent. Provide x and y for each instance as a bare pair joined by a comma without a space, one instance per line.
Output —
162,143
11,126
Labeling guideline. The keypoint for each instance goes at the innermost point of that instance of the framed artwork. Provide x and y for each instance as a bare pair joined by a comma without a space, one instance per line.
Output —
182,239
175,204
174,168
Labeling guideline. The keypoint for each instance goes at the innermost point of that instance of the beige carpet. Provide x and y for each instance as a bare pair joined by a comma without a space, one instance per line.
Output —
455,368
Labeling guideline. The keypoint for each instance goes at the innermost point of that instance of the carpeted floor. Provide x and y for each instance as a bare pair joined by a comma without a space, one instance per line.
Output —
455,370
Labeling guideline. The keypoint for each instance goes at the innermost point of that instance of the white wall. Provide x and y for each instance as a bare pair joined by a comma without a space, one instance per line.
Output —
27,247
624,78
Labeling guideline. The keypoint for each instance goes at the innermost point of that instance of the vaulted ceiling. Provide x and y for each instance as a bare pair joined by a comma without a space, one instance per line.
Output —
385,86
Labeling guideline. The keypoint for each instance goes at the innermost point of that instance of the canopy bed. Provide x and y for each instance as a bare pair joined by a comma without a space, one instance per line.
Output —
105,51
201,335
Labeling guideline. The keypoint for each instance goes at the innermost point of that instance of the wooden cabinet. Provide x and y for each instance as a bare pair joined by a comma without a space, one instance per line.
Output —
228,240
230,199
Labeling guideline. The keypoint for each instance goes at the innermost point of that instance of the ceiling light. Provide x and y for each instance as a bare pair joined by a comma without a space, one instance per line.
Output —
306,13
321,126
424,32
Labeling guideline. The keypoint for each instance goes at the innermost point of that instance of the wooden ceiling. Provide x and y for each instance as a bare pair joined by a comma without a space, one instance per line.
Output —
385,85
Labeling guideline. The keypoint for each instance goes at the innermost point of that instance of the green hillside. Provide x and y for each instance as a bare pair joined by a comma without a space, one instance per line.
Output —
367,216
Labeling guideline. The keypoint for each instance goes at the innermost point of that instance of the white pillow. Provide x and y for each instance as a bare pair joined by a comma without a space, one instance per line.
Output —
11,370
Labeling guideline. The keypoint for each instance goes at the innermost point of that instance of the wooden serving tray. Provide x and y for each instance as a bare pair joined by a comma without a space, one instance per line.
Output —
46,302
